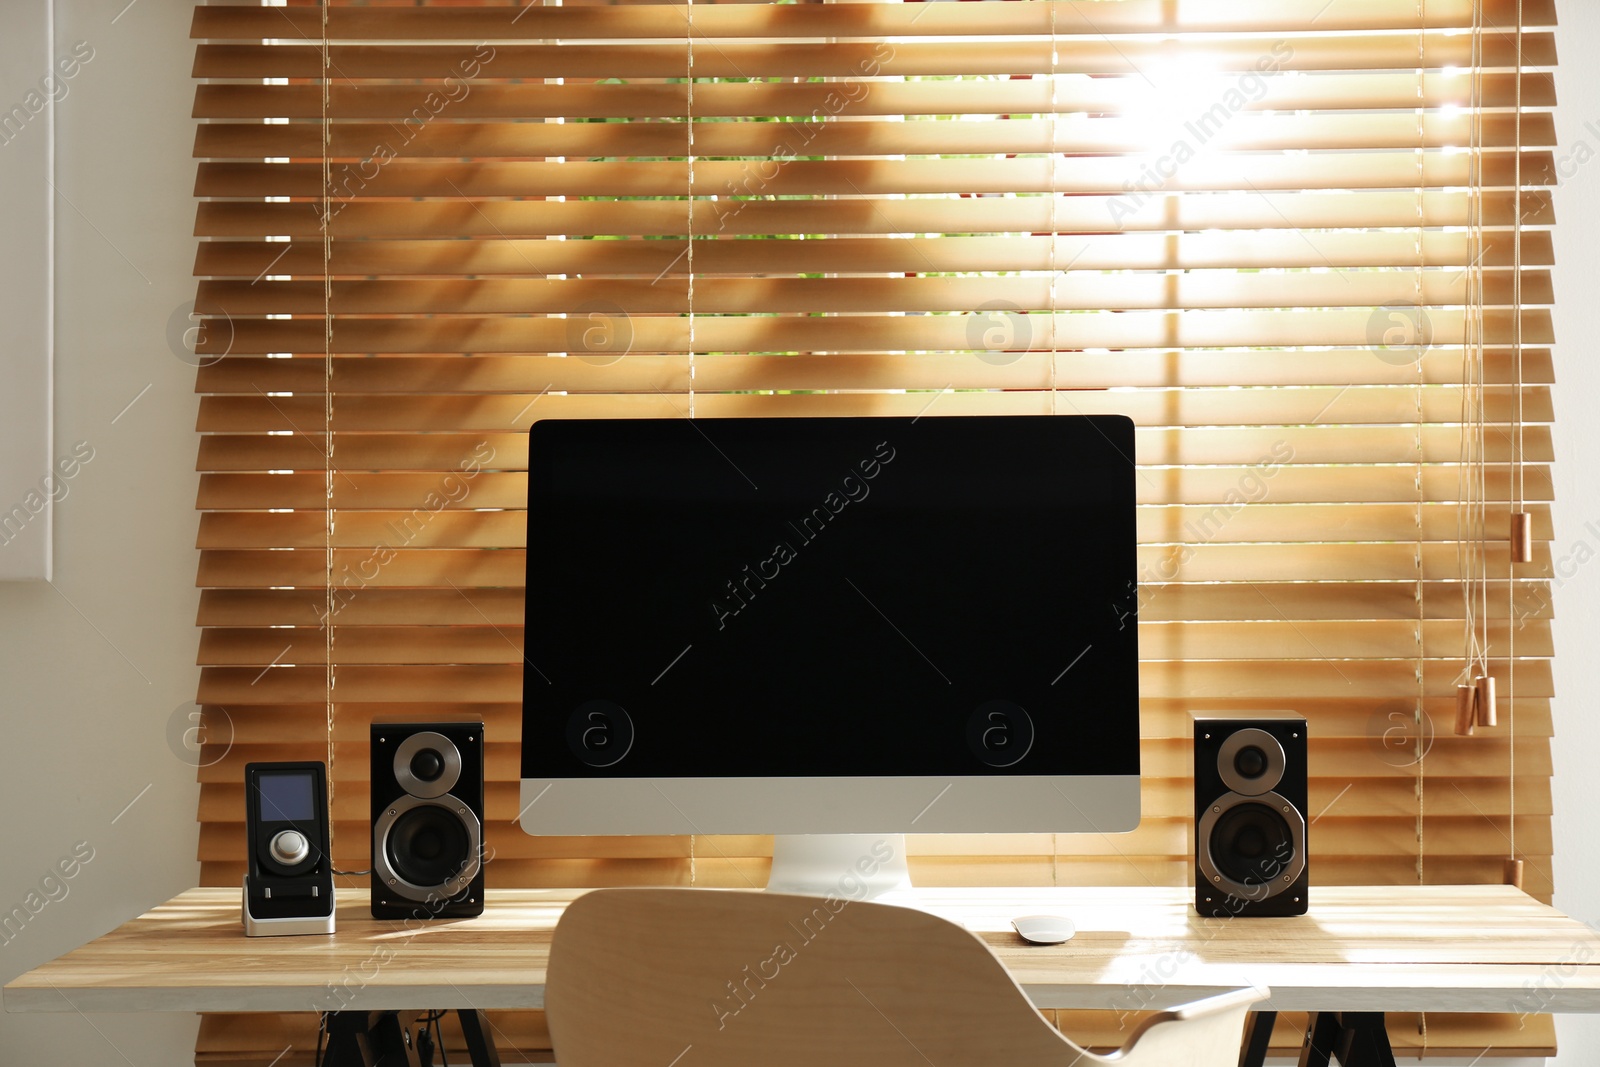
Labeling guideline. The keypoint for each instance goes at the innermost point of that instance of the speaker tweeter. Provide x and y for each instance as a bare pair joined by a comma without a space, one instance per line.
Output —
427,820
1250,814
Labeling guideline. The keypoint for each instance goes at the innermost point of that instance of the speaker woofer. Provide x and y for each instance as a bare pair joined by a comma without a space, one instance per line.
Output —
1251,846
427,848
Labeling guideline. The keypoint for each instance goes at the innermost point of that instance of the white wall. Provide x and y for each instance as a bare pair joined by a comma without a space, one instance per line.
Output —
27,85
94,665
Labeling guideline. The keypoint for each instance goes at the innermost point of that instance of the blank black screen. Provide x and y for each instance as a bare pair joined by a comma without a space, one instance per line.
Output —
830,596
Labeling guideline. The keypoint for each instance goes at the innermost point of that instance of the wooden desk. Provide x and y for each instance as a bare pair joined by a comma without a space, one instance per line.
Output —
1362,949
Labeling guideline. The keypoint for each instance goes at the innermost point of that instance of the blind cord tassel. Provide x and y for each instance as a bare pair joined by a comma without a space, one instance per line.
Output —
1521,537
1466,708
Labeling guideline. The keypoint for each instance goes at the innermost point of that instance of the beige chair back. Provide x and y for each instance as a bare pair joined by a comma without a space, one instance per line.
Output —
710,978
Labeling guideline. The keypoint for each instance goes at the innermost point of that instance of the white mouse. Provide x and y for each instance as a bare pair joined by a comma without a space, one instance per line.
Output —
1044,929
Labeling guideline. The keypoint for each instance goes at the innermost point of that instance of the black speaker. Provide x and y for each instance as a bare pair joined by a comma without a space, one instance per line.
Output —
1250,814
427,820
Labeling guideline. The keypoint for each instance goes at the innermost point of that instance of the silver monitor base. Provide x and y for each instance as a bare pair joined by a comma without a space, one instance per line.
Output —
842,866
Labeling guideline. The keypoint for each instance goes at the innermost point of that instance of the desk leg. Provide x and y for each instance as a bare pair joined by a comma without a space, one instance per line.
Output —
348,1043
1363,1040
1257,1036
1322,1030
369,1039
480,1043
379,1039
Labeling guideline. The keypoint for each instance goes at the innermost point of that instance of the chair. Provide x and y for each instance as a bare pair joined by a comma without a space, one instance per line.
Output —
713,978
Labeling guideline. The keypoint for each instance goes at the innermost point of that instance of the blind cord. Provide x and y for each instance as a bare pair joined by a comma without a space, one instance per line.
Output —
327,396
688,36
1477,425
1476,500
1519,488
1468,529
688,40
1516,462
1055,196
1421,709
1055,348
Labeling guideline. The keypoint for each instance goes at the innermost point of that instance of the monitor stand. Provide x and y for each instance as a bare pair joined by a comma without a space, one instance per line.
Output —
845,866
852,867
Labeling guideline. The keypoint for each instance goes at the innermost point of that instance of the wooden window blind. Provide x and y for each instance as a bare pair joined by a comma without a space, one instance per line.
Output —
1303,243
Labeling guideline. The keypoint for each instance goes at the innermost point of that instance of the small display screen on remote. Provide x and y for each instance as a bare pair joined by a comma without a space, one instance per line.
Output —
287,797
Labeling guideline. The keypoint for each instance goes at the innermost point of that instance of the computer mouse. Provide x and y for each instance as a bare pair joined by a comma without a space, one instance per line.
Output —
1044,929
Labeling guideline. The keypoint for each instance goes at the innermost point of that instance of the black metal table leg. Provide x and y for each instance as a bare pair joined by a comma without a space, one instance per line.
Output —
348,1043
1322,1030
1363,1040
480,1043
1257,1036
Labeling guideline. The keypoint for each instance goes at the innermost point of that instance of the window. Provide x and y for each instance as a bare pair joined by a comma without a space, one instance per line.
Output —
1289,239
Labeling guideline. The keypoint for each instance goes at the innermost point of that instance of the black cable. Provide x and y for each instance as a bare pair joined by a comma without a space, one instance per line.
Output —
425,1043
354,874
322,1029
428,1041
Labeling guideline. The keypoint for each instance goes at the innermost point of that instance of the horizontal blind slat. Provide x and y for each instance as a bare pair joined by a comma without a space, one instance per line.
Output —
1363,720
1153,446
1261,521
614,298
1222,172
1294,600
848,20
1433,49
1270,639
1160,211
1154,368
254,260
865,332
1308,91
1234,487
394,563
1309,405
349,142
1230,680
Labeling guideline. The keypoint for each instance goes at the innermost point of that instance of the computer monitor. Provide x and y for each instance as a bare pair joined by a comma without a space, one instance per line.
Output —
831,626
